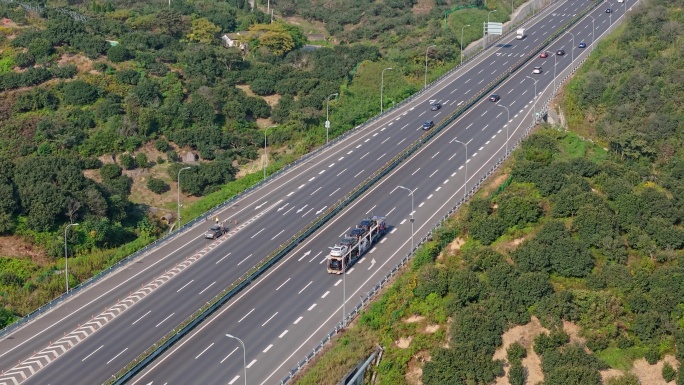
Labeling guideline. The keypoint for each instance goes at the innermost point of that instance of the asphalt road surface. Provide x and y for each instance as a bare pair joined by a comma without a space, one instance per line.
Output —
271,215
285,313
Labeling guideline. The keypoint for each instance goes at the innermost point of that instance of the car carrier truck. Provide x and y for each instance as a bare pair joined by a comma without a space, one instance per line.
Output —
355,244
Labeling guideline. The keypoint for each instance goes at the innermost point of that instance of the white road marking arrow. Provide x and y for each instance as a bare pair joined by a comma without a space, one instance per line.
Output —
302,209
283,206
321,210
372,263
258,207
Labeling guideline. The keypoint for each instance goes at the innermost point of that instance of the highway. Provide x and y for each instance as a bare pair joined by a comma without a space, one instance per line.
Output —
285,313
268,217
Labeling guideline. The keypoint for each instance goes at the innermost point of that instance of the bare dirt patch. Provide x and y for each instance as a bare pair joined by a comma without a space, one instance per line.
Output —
308,26
455,245
652,374
525,335
414,374
271,100
498,181
82,63
414,319
13,246
429,329
610,373
422,7
573,331
404,343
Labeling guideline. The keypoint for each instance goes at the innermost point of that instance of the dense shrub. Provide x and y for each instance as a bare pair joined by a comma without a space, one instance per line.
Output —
487,230
668,372
516,352
157,186
141,160
66,71
117,54
127,161
110,171
79,93
24,59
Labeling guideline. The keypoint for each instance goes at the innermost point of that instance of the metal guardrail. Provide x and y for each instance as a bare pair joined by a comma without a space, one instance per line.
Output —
211,212
376,288
185,327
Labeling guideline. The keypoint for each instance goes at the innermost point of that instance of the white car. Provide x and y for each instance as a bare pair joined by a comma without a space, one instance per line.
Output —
537,70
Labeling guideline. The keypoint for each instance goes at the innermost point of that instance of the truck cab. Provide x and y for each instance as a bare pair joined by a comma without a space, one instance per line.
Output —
520,34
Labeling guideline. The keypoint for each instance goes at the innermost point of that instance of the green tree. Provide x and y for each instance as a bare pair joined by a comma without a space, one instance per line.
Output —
203,31
24,59
431,279
157,186
110,171
141,160
127,161
117,54
40,48
79,92
517,210
6,317
487,230
593,223
516,352
516,374
669,373
626,379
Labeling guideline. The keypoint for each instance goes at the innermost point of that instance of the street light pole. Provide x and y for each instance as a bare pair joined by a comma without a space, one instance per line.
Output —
486,36
327,115
465,182
178,219
508,121
244,354
66,256
426,53
610,15
265,153
555,63
411,220
592,32
534,105
462,41
573,47
382,85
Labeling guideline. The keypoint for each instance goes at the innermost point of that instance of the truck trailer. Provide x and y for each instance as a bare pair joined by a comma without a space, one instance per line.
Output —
355,244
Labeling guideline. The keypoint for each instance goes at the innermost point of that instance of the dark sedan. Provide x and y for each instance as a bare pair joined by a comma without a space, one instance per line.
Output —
494,98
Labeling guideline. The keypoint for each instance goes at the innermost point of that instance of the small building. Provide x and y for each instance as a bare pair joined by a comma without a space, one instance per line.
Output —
237,39
190,157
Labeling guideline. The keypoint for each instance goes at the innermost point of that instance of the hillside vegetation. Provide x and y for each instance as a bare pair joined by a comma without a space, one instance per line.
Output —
586,241
102,102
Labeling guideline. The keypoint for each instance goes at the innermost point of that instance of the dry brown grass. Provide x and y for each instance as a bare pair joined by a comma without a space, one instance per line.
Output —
525,335
82,63
652,374
16,247
422,7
